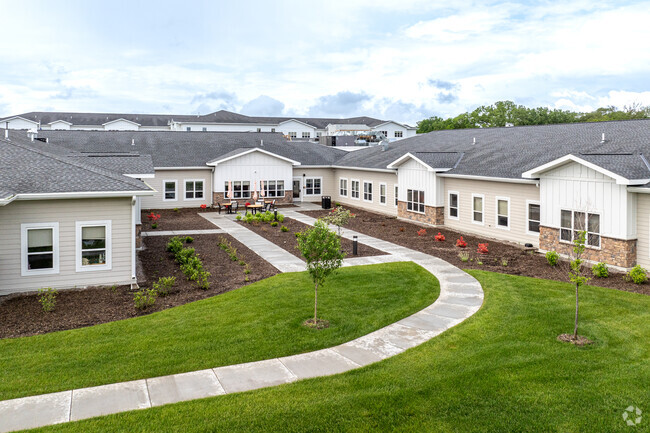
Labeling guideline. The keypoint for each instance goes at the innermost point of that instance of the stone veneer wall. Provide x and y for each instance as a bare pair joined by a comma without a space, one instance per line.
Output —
617,252
287,199
138,235
431,215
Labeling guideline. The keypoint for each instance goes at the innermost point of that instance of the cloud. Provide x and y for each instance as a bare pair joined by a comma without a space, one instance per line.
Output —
263,106
442,84
446,97
340,104
75,93
220,95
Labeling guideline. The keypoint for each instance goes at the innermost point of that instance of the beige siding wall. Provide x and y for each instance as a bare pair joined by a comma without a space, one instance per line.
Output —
66,213
377,178
518,194
643,230
156,201
327,182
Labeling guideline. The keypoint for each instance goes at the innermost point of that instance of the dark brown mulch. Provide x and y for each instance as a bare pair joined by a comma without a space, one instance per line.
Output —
519,261
579,341
21,314
181,219
288,241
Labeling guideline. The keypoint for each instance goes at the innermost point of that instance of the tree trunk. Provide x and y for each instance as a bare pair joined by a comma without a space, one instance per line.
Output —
575,329
315,301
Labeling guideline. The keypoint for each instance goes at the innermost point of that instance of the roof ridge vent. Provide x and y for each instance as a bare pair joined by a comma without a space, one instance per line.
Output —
602,140
133,142
474,141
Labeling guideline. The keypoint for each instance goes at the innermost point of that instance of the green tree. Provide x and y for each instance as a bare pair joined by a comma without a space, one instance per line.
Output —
321,248
575,274
339,217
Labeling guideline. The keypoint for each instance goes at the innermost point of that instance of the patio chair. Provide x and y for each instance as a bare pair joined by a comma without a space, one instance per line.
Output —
219,207
234,207
269,206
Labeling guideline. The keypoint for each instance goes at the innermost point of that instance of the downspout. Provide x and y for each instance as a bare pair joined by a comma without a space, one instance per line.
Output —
134,281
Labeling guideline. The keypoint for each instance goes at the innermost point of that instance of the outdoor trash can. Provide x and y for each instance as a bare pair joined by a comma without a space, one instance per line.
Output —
326,202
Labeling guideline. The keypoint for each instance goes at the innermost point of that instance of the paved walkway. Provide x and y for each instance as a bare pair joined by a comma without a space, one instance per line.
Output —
460,297
182,232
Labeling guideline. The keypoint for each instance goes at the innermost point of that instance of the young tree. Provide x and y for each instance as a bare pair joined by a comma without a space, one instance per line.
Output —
321,249
338,217
575,274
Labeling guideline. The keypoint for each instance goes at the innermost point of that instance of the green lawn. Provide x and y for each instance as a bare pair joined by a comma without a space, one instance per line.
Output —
256,322
501,370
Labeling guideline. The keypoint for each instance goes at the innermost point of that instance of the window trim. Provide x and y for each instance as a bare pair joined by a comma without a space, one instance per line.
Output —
185,189
164,190
368,182
24,270
482,197
496,212
358,189
305,185
398,134
449,194
241,189
279,193
305,134
396,192
385,195
573,230
109,250
424,206
528,203
341,188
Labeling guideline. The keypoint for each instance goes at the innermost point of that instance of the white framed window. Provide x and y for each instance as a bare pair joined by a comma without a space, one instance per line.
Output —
318,134
169,190
306,135
293,134
367,191
533,217
477,208
240,189
274,188
453,205
503,213
572,222
398,134
189,128
382,193
313,185
343,187
93,251
354,189
385,133
204,129
194,189
39,248
415,200
396,195
259,129
272,129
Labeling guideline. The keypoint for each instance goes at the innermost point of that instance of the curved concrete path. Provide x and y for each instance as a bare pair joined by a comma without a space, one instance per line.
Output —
460,297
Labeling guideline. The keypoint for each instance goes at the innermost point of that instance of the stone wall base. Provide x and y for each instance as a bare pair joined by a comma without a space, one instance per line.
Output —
138,236
432,215
218,197
616,252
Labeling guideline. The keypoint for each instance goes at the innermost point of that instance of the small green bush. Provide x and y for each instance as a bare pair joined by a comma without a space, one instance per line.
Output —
274,224
47,298
189,239
284,229
463,256
280,218
637,274
163,285
174,245
144,298
600,270
242,263
552,257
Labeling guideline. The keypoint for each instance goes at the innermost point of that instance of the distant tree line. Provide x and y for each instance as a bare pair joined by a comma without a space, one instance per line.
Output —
507,113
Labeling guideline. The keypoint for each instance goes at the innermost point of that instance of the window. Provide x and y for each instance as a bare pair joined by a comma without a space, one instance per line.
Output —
453,205
503,212
367,191
240,189
382,193
398,134
477,209
40,248
396,195
572,222
318,134
385,133
170,190
204,129
306,135
343,187
533,217
93,245
274,188
259,129
293,135
189,128
272,129
312,185
193,189
354,189
415,200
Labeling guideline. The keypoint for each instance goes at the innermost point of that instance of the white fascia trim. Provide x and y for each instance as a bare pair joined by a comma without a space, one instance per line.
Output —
72,195
638,189
296,120
342,167
535,172
254,149
141,176
6,201
487,178
121,119
254,125
182,168
21,118
399,161
60,121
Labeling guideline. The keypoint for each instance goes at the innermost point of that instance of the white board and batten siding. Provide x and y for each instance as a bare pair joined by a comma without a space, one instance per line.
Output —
377,178
413,175
66,213
576,187
252,167
518,195
156,201
643,230
121,125
297,127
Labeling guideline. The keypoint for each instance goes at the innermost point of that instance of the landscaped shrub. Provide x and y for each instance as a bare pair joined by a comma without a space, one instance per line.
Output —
189,239
504,262
284,229
552,257
144,298
174,245
274,224
600,270
482,249
163,285
280,218
190,263
203,206
460,243
153,218
422,232
238,217
637,274
338,217
463,256
439,237
47,298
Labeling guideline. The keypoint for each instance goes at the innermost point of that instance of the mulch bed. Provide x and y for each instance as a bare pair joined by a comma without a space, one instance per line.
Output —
21,314
519,261
181,219
288,241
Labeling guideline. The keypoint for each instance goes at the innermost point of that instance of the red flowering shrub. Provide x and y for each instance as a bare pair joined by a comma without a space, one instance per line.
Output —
460,243
153,217
248,203
482,249
440,237
422,232
204,206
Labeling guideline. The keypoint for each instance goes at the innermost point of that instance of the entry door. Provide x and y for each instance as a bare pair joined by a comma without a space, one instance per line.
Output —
297,188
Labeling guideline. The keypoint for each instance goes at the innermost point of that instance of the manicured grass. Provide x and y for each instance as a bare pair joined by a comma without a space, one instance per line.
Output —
501,370
260,321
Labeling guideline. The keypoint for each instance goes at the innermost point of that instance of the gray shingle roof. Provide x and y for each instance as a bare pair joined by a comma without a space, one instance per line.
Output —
628,165
123,163
26,169
440,160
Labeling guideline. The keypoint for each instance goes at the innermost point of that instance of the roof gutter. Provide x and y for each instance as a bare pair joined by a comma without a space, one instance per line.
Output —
638,189
77,195
487,178
6,201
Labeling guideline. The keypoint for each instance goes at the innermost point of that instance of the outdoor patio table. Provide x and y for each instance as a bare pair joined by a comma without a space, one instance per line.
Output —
228,207
254,207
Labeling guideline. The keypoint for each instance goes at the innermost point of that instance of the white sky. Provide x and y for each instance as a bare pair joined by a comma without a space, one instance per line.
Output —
404,60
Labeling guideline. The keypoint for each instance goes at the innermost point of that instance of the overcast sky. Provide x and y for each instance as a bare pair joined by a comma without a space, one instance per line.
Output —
403,60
